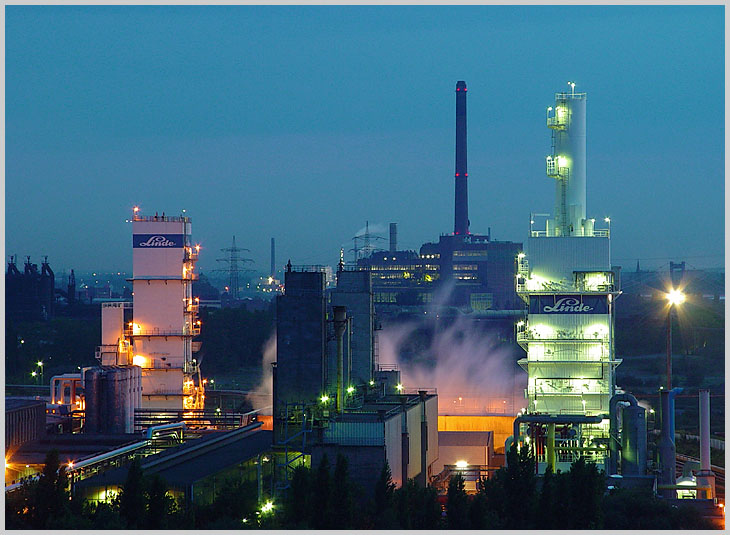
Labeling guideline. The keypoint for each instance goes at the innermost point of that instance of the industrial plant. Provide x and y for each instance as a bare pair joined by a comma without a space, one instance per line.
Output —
330,393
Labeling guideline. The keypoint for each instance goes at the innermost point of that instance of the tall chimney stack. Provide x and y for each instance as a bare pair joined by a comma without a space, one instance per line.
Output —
393,237
273,259
461,198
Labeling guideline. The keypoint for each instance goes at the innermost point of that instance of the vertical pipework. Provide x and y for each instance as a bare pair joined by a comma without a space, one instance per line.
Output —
705,478
423,478
705,430
340,318
666,447
393,237
567,164
551,447
461,199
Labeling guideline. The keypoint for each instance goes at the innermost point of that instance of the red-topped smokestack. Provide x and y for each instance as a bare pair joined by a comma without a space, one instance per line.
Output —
461,197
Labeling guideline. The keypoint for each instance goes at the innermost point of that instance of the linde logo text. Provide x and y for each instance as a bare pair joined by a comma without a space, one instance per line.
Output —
567,304
157,241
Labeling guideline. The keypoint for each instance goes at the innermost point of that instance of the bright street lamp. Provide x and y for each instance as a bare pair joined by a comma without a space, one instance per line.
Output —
675,297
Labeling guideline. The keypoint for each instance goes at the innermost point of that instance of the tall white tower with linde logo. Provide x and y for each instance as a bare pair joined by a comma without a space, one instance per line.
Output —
565,277
164,319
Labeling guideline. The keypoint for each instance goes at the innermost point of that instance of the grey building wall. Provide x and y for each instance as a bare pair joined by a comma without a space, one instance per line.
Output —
355,291
300,338
24,421
364,463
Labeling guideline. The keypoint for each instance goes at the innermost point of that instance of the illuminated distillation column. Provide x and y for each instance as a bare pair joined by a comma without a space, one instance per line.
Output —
565,278
165,314
567,163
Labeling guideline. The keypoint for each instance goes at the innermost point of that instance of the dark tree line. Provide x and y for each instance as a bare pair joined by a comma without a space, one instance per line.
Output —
326,498
143,503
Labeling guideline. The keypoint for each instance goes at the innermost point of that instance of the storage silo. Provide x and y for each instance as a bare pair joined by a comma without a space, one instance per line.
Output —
633,441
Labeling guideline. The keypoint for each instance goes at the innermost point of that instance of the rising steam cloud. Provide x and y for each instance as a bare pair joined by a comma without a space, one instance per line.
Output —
261,397
472,372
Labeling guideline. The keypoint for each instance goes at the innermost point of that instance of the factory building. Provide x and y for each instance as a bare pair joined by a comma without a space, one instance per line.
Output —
146,350
565,278
477,271
330,397
30,295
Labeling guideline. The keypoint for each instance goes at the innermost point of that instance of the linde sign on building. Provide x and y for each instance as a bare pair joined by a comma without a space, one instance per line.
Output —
158,241
568,304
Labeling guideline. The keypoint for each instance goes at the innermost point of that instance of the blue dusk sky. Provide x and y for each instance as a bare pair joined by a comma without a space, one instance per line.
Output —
301,123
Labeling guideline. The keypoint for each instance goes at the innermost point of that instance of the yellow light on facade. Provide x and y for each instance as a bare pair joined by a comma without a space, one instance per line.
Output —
324,399
676,297
372,383
350,389
562,161
461,464
521,256
70,464
399,387
139,360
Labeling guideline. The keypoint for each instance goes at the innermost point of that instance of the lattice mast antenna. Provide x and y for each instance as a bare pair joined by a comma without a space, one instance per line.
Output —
236,266
367,249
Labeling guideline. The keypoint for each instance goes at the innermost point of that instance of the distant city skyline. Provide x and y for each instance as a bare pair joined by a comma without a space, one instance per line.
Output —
301,123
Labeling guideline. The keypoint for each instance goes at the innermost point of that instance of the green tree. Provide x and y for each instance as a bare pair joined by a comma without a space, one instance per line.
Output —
133,497
103,515
585,485
457,506
548,502
51,496
298,502
320,518
383,516
342,516
160,505
511,492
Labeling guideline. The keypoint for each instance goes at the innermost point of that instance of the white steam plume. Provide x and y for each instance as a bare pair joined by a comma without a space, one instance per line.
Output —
471,371
262,396
376,228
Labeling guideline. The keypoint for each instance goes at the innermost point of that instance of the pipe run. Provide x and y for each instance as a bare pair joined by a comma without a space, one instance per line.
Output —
613,443
551,420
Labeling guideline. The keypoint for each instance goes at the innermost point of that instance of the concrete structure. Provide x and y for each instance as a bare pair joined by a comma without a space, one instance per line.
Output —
330,398
112,393
474,448
165,313
565,278
354,292
30,295
25,421
474,271
300,338
395,429
190,470
461,193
